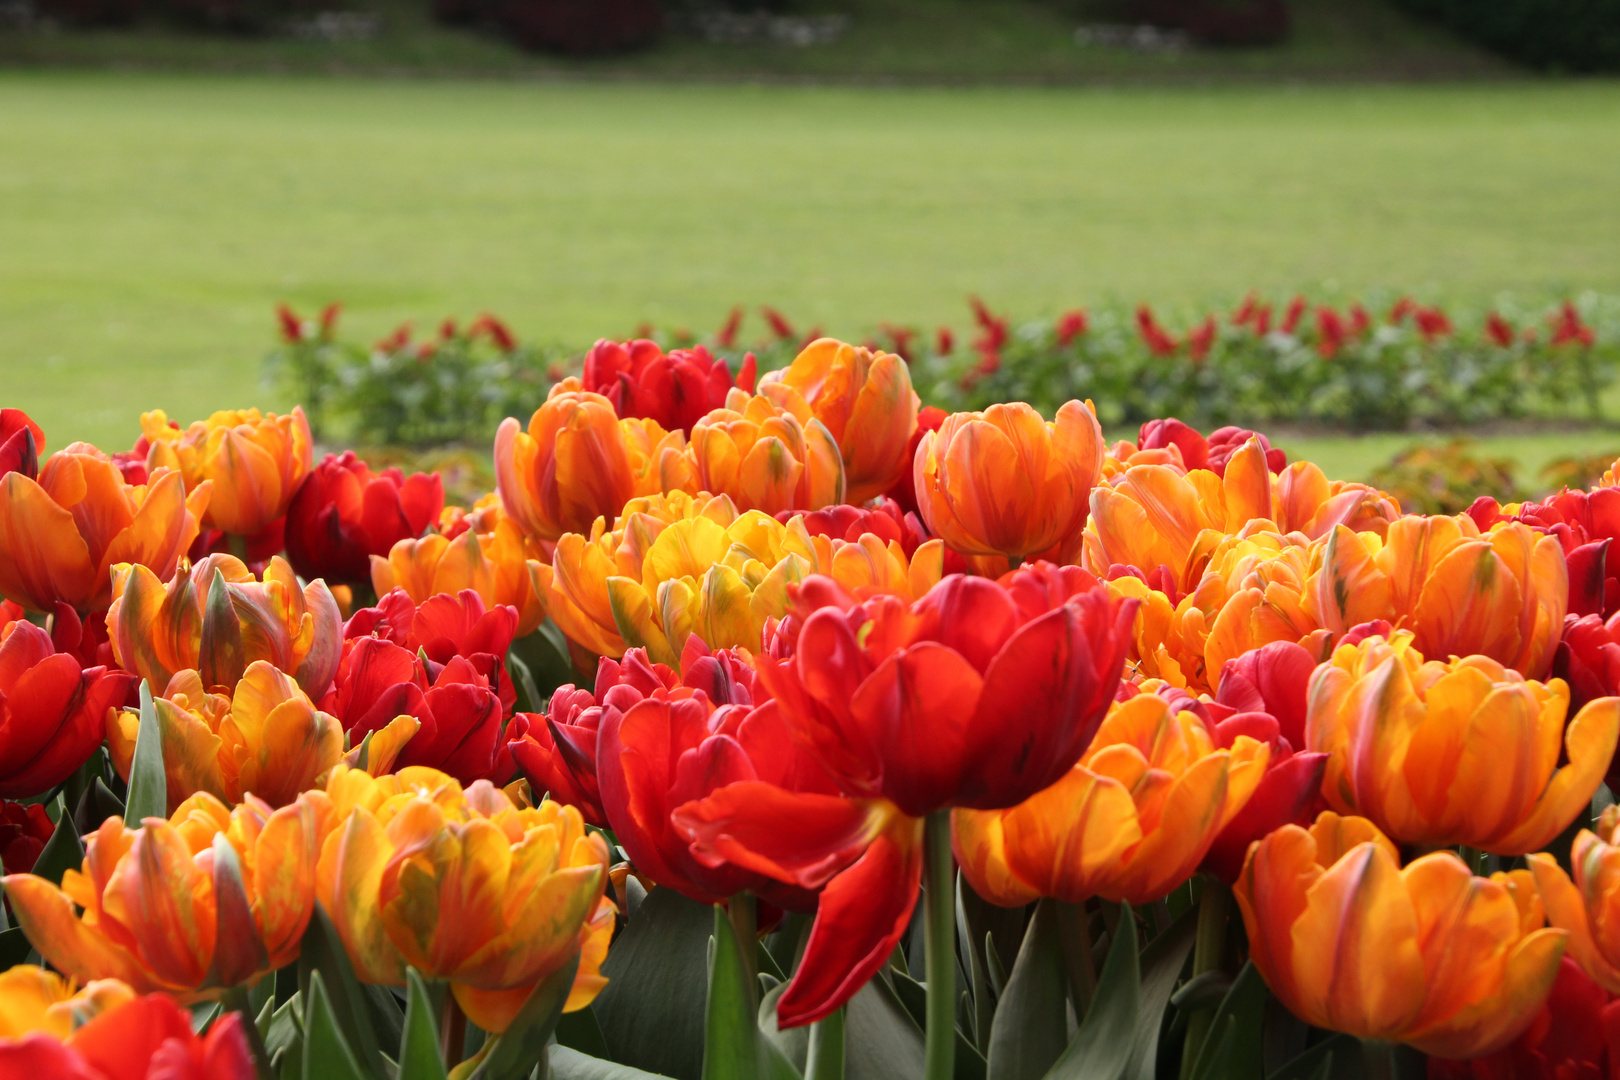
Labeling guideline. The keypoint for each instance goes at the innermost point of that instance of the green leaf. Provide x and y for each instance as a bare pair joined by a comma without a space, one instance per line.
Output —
321,952
794,1043
580,1031
96,805
733,1046
14,947
62,852
969,1063
1097,1051
148,786
420,1056
569,1064
512,1054
1030,1029
1161,965
651,1011
529,699
326,1053
826,1059
1241,1053
284,1037
1317,1062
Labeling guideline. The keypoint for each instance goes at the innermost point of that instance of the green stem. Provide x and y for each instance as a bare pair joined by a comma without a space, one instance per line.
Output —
452,1030
826,1058
1074,932
236,1001
1214,907
744,916
237,545
1377,1059
939,934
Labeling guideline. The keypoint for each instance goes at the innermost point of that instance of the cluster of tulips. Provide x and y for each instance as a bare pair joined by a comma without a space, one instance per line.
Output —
778,726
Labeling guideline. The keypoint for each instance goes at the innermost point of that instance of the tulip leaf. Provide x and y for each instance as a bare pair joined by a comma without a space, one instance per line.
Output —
529,699
1097,1051
420,1056
1030,1029
651,1011
913,995
14,947
1161,965
326,1053
62,852
580,1031
1317,1062
513,1054
1239,1053
794,1043
569,1064
321,952
284,1037
733,1046
148,786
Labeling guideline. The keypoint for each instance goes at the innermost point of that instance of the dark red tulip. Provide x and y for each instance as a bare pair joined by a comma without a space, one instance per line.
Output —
1584,522
1575,1036
1160,434
676,390
53,712
21,444
1287,794
344,513
24,829
1275,679
1226,441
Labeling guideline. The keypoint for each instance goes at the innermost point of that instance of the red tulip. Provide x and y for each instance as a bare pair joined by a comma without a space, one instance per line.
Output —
1275,679
979,694
1227,441
53,713
1588,659
1575,1036
24,829
344,513
21,444
443,627
1287,794
675,390
1587,524
147,1038
929,418
887,521
1160,434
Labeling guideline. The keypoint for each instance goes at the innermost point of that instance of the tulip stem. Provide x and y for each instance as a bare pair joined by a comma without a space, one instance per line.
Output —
1074,932
237,545
744,916
826,1058
236,1000
939,937
452,1030
1209,954
1377,1059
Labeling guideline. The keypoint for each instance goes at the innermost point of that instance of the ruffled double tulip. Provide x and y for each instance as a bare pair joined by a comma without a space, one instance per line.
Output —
1197,452
441,628
1275,679
1005,483
766,454
865,400
1130,821
485,552
61,534
1587,526
464,885
266,738
53,713
676,390
1454,965
1588,907
21,443
126,1038
344,513
209,899
1458,752
578,461
255,462
216,619
1588,659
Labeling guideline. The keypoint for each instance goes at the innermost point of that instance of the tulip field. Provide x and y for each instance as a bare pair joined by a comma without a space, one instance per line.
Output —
766,722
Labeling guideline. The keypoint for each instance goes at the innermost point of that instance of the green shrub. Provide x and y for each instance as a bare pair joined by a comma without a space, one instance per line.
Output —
1560,35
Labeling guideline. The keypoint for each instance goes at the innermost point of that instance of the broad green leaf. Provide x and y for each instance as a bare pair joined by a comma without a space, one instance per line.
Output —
969,1063
1240,1053
545,655
1161,965
327,1055
580,1031
321,951
420,1056
881,1040
1030,1029
62,852
827,1050
512,1054
733,1046
569,1064
1317,1062
148,786
284,1037
793,1043
1099,1050
651,1011
96,805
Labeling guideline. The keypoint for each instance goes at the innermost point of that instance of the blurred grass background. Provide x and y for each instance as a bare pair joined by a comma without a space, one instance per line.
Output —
149,223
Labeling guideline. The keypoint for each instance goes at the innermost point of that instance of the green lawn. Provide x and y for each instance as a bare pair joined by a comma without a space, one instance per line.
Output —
149,223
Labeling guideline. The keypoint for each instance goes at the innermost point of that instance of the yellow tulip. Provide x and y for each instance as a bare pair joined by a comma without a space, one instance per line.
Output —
1459,752
33,999
766,455
255,462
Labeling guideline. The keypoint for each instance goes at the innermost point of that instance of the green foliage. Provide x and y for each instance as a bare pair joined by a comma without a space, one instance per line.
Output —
1554,35
148,784
1447,478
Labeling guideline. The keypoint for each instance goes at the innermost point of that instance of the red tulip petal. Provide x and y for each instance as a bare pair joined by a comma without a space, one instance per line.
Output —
798,838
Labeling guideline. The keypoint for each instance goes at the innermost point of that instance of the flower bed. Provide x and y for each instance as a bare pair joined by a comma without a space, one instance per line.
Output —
768,723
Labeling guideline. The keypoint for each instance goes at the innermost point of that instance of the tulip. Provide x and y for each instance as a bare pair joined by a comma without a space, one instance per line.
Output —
255,462
1428,955
865,400
766,455
578,461
1275,679
904,491
1006,483
487,554
978,694
34,999
145,1038
442,628
1587,526
21,443
25,828
61,534
464,885
216,619
1569,1038
639,381
1130,821
1289,792
343,513
1461,752
1588,907
52,712
209,899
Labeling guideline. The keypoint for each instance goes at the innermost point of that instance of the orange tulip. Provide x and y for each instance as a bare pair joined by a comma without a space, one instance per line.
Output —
484,551
209,899
1588,907
464,885
61,535
254,460
1432,956
1005,483
865,400
766,455
1131,821
578,461
1461,752
34,999
216,618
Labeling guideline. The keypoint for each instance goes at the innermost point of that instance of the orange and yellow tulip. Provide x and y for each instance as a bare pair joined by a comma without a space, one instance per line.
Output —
1005,484
215,618
1131,821
35,999
483,550
60,535
1589,906
209,899
578,461
767,453
865,400
1429,955
255,462
1458,752
464,885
